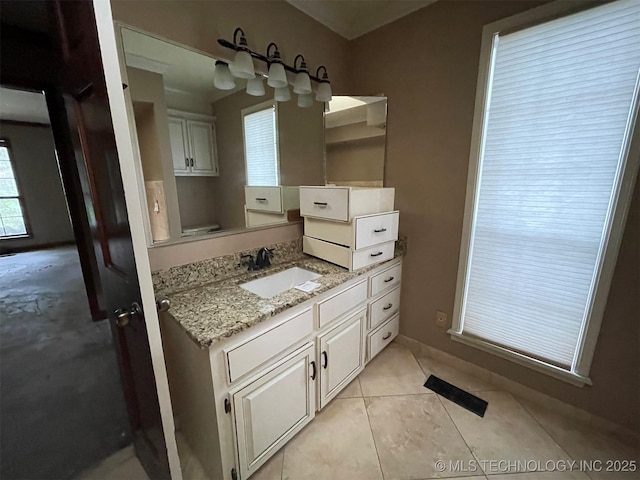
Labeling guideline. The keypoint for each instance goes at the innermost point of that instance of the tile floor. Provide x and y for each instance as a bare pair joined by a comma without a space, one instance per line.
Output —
385,425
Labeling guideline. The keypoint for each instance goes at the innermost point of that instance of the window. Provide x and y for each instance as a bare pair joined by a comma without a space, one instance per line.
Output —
12,221
261,145
549,185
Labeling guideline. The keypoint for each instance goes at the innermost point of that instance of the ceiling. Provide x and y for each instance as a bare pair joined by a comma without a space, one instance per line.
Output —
353,18
23,106
183,71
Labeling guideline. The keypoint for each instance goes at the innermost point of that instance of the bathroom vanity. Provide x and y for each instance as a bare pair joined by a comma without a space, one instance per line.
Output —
248,373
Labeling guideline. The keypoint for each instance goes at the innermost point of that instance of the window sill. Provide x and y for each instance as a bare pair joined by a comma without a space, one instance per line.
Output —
15,237
573,378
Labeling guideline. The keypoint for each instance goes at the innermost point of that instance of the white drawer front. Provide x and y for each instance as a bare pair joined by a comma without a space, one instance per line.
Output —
263,199
383,308
382,336
253,353
323,202
376,229
373,255
335,306
386,280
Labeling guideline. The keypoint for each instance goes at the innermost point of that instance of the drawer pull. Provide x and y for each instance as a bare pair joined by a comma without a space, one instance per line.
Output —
376,254
388,280
387,335
380,230
313,375
388,306
261,199
321,204
325,359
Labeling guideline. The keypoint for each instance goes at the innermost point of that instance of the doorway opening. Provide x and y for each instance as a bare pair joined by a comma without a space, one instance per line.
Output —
62,407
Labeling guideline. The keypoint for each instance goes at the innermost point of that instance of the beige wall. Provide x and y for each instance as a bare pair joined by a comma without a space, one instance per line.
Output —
197,201
155,148
429,123
36,168
356,161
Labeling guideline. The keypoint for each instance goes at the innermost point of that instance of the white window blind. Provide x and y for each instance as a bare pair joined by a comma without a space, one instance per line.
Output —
261,147
557,118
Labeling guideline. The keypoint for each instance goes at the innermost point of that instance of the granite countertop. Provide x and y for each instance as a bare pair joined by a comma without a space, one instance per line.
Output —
212,312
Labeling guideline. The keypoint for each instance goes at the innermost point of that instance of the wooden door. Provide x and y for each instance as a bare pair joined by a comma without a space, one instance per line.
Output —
341,356
202,147
272,409
179,146
87,122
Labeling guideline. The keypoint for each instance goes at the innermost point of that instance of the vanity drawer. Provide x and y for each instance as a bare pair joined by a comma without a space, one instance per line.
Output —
263,199
362,232
344,203
382,336
385,280
243,358
345,256
333,307
325,202
383,308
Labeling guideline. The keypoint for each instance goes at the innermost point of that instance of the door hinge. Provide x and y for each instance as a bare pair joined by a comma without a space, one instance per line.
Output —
227,405
234,474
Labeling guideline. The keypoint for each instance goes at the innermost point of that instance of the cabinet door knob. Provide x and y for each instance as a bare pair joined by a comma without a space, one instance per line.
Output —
388,280
387,306
387,335
186,162
325,359
377,254
320,204
380,230
313,366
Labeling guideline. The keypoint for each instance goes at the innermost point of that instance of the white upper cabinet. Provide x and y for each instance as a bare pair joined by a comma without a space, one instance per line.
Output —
193,145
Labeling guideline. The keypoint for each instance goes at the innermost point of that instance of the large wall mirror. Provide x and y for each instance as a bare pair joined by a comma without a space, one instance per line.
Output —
212,160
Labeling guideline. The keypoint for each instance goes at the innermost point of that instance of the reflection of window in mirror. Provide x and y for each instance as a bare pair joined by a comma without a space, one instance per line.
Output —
260,133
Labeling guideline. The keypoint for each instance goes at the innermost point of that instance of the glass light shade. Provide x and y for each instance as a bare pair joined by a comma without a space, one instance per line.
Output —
242,66
222,78
323,94
305,101
302,84
277,76
255,86
282,94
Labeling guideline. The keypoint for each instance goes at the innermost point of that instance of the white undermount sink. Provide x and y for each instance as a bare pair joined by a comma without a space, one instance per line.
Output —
271,285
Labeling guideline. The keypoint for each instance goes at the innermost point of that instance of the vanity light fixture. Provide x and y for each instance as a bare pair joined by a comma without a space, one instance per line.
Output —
222,78
305,100
277,75
242,66
302,84
255,86
282,94
323,94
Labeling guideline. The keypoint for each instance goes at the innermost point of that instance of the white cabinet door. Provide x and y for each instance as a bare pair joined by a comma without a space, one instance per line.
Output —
341,356
179,146
273,408
202,146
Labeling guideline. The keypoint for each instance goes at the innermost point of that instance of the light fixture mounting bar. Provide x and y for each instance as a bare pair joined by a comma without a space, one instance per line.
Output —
259,56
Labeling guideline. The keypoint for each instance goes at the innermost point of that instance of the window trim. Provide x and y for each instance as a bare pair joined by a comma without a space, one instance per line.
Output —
4,142
579,374
253,109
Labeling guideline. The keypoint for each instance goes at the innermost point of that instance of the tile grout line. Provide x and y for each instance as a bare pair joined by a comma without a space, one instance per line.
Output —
373,437
532,415
460,433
